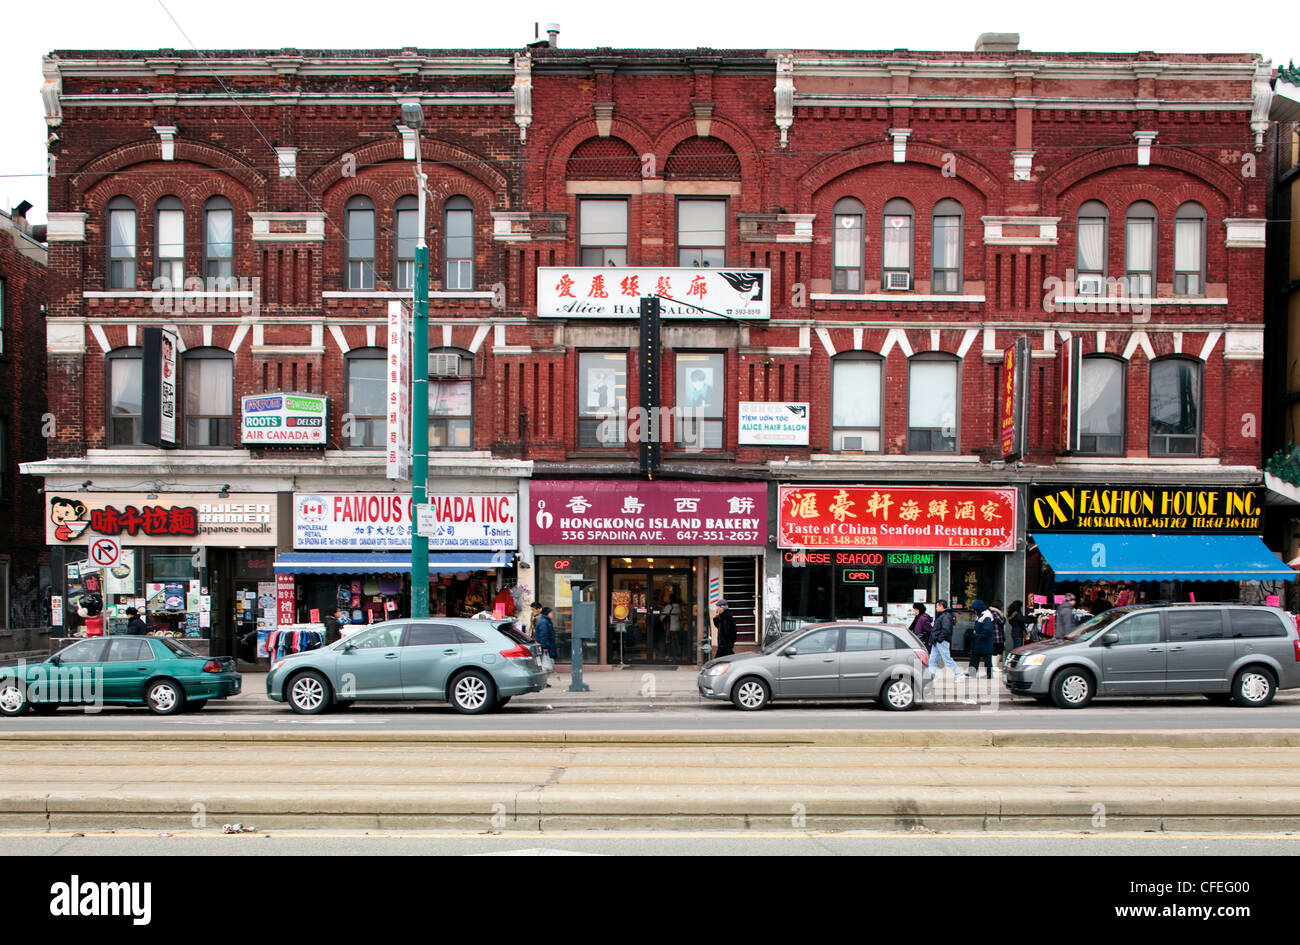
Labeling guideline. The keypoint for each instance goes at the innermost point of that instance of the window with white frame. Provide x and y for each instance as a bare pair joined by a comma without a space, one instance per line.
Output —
1140,249
855,403
219,242
602,399
169,232
124,367
121,243
208,380
1101,406
451,400
602,232
1189,250
1090,254
1175,424
701,400
406,225
359,228
896,245
458,244
367,395
701,233
847,245
932,405
945,273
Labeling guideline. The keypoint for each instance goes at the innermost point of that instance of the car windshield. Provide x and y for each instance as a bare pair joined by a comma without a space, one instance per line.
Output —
180,649
1090,628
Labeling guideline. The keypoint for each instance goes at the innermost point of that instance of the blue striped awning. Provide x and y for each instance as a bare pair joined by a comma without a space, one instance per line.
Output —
364,562
1162,558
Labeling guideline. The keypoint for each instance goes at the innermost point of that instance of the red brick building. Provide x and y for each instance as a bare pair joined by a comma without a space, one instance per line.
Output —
894,223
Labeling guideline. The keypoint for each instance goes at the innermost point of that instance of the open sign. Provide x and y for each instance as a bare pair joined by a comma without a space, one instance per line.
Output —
858,576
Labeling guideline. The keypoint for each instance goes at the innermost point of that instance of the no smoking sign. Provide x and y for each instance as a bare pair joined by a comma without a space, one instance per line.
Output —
105,552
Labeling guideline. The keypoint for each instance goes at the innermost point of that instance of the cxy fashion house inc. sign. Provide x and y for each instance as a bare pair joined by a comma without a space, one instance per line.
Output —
1145,509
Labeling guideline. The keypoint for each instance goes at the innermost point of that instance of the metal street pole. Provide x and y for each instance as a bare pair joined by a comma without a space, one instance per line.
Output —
413,116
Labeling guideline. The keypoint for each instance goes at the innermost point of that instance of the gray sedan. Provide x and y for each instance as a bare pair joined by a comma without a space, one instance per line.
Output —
476,665
823,661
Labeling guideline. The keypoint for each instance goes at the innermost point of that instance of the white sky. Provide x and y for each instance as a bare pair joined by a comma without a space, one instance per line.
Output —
33,29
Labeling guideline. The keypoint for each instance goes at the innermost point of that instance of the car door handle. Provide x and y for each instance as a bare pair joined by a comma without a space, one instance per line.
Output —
390,656
1175,649
1154,649
829,659
450,651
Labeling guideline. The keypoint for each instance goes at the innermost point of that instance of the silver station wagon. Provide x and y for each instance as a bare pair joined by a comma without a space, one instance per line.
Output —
1228,652
823,661
476,665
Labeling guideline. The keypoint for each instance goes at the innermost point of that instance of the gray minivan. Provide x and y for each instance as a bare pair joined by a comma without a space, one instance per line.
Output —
1236,652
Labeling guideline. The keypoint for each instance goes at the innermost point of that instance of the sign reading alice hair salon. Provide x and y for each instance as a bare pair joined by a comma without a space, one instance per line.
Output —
284,419
616,292
648,513
764,424
382,521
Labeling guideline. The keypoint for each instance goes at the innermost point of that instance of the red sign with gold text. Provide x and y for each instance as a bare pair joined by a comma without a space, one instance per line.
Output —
897,517
1008,398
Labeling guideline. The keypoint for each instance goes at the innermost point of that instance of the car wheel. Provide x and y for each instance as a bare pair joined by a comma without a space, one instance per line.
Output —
501,703
1253,687
193,705
1072,689
13,698
750,694
472,693
164,697
308,693
899,694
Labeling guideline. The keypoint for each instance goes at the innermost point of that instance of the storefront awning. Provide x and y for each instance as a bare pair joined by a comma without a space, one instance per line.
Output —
1162,558
360,562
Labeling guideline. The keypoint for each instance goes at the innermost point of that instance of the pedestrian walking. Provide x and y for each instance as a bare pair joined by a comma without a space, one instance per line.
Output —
941,641
921,624
726,625
1017,623
1064,617
534,611
135,625
333,625
999,629
981,647
544,632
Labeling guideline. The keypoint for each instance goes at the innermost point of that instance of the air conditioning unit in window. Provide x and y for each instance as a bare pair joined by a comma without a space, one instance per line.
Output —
444,365
898,280
1089,285
852,444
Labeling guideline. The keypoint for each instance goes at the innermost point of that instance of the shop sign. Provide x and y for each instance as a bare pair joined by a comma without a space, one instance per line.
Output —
1071,363
896,517
771,424
1014,398
648,513
921,562
397,442
1145,509
79,518
858,576
284,419
284,601
602,292
161,377
382,520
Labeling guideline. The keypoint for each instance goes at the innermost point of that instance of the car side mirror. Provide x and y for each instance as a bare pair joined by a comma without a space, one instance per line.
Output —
54,660
791,652
349,647
1110,638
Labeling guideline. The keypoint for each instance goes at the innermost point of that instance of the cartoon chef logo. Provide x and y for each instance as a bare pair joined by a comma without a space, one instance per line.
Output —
69,518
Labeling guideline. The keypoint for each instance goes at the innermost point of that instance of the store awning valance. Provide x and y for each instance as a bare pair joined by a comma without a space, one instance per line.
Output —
360,562
1162,558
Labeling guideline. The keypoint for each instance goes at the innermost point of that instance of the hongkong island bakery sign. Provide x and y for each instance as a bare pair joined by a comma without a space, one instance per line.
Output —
648,513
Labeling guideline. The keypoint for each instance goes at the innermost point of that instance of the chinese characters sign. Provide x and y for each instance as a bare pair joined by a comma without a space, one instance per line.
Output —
1013,397
1145,509
169,519
648,513
397,441
283,420
158,395
382,520
902,517
615,292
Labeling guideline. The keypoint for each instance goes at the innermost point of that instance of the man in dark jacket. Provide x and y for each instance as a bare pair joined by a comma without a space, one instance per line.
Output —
726,625
135,625
941,640
332,626
1064,617
544,632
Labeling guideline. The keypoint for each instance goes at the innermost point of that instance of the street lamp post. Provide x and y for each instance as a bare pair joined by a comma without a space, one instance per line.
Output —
413,118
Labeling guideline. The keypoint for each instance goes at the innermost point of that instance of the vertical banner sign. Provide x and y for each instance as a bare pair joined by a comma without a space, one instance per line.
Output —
284,609
650,370
1071,361
1007,399
397,440
158,397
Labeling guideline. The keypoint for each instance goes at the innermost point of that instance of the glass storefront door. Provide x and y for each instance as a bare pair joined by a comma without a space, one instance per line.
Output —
651,611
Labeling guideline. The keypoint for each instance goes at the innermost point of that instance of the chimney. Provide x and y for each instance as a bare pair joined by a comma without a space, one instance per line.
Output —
19,217
553,32
998,42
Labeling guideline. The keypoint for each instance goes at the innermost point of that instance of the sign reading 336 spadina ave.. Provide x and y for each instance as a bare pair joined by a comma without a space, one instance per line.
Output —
897,517
648,513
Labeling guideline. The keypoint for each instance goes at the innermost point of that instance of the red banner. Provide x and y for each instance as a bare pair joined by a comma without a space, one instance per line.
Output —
896,517
284,601
1008,398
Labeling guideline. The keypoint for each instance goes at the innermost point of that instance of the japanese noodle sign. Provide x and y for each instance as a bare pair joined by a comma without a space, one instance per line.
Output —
901,517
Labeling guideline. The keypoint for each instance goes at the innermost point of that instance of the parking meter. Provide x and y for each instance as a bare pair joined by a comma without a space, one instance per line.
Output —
584,628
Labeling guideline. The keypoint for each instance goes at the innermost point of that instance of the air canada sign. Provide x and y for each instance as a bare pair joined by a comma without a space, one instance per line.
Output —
284,420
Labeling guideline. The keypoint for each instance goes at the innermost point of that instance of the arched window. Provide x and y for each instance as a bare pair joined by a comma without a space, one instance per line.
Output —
458,244
1189,250
169,239
896,244
359,227
406,226
1140,250
219,243
1101,406
208,381
451,399
121,243
856,384
1175,426
846,245
367,391
1090,255
932,404
945,273
123,368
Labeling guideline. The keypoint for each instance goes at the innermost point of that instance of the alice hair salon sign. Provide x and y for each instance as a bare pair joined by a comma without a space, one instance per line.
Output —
284,419
616,292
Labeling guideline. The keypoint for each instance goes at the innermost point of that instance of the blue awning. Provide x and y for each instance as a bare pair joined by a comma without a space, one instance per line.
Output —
1162,558
364,562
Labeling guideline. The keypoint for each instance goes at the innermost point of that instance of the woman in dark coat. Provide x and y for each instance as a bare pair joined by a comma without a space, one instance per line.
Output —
1017,624
544,632
921,624
981,647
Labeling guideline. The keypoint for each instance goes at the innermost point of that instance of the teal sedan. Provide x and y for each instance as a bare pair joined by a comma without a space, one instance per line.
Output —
477,665
158,672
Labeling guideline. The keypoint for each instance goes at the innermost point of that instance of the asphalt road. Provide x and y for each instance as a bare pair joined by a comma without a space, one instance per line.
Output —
1192,713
